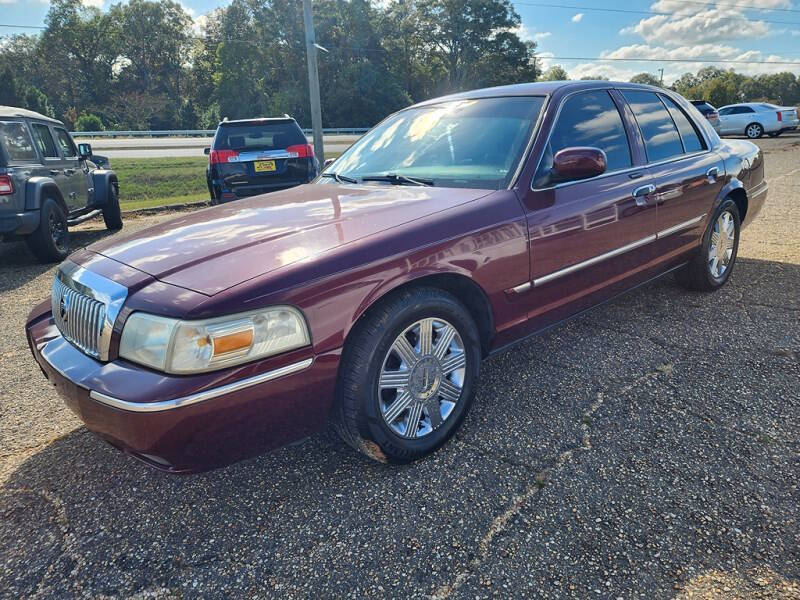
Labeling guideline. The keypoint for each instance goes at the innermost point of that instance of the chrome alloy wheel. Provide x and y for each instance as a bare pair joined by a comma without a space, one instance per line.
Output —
754,130
421,378
720,250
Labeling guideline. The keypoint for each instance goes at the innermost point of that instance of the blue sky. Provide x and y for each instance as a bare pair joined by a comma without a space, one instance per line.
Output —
752,30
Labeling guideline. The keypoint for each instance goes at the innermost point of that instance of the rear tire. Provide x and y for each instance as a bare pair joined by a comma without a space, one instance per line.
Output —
112,214
426,383
754,131
711,267
50,241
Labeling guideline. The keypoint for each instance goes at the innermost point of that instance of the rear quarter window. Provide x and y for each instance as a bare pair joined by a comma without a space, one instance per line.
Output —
17,141
258,136
692,142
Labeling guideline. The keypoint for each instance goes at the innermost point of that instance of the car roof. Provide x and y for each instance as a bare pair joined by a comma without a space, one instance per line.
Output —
12,111
539,88
286,119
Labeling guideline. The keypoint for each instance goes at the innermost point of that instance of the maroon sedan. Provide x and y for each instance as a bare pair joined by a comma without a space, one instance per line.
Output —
368,298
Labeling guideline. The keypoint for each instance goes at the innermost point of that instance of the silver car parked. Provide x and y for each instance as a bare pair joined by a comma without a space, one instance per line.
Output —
754,119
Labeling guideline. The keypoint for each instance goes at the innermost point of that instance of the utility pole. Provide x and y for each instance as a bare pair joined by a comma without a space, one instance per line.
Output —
313,82
662,76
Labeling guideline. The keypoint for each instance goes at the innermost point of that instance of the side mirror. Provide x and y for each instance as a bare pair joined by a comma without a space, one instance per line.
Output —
206,151
85,150
328,162
579,162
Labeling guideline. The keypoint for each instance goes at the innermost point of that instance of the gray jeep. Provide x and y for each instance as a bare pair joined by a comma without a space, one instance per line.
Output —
47,184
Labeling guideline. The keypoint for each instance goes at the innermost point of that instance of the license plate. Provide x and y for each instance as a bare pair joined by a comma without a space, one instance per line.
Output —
262,166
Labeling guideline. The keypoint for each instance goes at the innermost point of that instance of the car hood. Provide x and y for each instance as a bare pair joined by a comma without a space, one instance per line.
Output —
211,250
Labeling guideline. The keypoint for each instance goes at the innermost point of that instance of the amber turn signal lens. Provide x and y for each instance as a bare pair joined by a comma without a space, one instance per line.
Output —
233,342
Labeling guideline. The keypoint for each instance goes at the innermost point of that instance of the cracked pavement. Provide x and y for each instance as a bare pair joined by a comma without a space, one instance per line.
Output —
648,449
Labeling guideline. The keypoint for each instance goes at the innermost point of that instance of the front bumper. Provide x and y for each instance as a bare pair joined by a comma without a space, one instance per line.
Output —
19,224
188,423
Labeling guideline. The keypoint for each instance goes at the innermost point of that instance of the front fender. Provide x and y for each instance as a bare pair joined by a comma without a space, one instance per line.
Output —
102,180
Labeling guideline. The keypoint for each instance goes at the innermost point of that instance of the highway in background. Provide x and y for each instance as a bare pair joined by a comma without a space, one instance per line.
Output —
142,147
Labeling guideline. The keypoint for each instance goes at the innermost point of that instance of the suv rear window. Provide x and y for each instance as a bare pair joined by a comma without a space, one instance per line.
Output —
17,141
258,136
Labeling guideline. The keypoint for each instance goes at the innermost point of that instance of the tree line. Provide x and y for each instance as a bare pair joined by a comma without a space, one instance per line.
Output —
146,64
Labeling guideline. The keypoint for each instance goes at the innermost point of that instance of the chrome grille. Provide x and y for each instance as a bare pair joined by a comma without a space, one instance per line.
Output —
79,318
85,306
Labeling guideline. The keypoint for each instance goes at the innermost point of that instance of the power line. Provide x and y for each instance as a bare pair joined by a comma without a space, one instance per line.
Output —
638,12
22,26
679,60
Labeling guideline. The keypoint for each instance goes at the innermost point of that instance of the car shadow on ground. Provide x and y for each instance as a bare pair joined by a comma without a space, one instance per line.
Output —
20,265
635,449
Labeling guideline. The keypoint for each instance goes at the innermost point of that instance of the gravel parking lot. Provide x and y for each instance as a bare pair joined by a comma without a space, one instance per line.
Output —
650,448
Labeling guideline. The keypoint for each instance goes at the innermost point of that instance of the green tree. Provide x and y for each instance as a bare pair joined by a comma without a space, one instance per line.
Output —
646,78
88,122
555,73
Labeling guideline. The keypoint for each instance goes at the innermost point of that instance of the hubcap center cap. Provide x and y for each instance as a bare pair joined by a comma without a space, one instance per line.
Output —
425,377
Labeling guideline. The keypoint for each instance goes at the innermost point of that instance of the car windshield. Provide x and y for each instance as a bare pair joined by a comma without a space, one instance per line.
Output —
258,136
475,143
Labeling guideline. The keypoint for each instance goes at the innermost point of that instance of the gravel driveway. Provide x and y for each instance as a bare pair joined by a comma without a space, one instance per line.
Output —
650,448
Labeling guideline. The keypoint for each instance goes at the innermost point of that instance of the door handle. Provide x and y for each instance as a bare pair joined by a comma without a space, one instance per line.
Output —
640,193
55,171
712,174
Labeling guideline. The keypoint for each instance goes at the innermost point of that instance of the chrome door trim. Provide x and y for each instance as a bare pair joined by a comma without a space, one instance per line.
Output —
593,261
606,255
680,226
144,407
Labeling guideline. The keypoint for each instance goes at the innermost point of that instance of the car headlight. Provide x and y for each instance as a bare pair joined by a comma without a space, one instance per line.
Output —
177,346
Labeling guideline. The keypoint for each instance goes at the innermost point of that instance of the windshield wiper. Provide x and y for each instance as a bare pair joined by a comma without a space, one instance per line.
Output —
396,179
340,178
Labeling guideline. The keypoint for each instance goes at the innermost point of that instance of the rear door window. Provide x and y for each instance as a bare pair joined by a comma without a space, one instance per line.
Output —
587,119
258,136
41,134
17,141
661,139
692,142
65,143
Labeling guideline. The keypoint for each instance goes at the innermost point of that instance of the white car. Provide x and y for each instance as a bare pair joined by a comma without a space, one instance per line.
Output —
754,119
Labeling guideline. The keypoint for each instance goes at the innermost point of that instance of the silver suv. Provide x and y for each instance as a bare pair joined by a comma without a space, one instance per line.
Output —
48,184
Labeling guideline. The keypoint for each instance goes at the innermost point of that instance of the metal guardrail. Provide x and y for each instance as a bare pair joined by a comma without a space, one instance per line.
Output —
202,132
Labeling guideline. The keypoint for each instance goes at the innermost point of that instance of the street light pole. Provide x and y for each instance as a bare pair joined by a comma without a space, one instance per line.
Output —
313,82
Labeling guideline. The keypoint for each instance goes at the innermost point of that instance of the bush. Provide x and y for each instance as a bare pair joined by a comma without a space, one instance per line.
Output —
88,122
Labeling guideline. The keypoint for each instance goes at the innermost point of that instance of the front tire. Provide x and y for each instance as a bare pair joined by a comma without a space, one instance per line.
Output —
407,376
112,213
754,131
711,267
50,241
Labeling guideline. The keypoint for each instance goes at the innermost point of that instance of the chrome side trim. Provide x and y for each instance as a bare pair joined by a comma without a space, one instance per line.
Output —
593,261
611,254
679,226
200,396
522,288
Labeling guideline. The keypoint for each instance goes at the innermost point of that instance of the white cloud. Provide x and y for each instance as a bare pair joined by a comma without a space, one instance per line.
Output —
595,70
526,34
705,27
200,24
94,3
577,18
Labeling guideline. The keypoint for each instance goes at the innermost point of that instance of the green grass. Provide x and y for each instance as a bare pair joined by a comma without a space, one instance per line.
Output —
149,182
